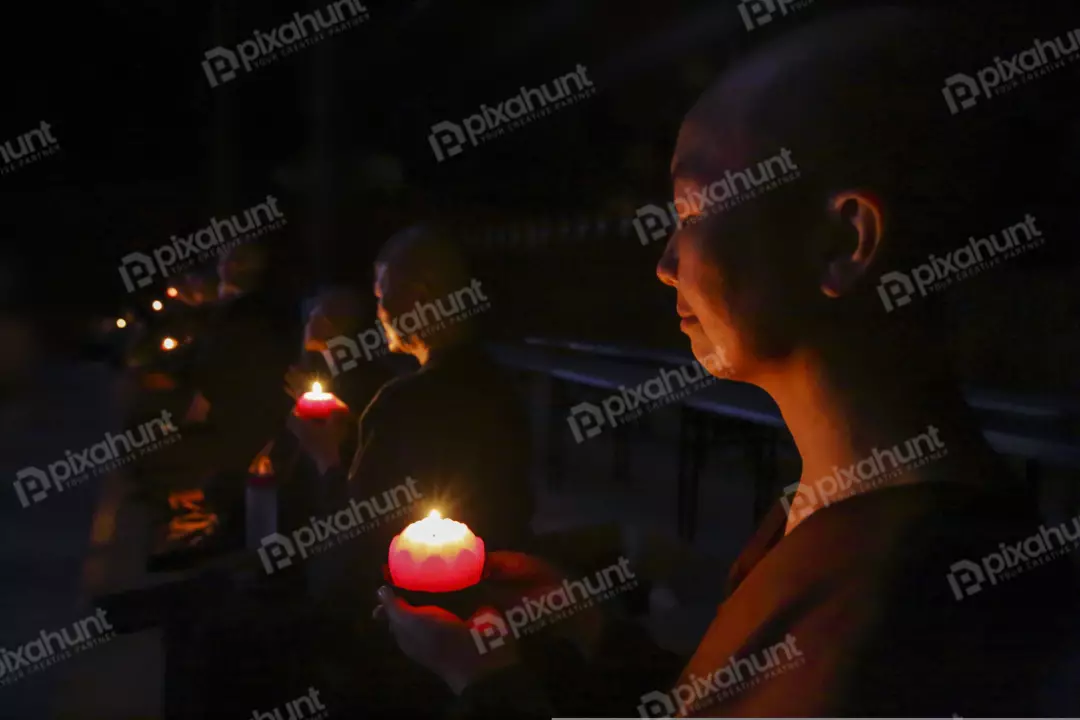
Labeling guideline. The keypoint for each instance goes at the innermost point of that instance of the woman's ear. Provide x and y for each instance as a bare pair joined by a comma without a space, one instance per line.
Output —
858,224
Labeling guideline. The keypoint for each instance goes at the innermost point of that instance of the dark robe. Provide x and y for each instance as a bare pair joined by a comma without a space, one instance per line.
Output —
251,340
883,615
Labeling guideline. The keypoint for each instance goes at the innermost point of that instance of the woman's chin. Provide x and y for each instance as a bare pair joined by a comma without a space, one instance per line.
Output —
716,360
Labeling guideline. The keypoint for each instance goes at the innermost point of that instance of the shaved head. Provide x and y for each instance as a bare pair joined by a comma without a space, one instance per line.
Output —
880,173
857,101
421,266
423,254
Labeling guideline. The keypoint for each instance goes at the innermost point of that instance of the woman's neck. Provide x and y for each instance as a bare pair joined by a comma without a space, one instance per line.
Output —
874,423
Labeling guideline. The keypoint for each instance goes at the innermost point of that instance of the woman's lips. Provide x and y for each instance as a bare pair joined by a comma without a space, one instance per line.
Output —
688,319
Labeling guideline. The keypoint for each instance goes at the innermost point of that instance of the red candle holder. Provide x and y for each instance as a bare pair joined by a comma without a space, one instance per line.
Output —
437,561
318,405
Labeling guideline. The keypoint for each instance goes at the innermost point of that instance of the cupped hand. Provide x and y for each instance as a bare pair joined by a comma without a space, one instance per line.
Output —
321,439
460,651
443,643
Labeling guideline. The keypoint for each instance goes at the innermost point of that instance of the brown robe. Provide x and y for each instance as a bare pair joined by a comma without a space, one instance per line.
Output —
873,607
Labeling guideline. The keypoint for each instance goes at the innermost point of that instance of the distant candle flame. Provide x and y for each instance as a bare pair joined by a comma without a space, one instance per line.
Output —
156,305
316,387
172,292
121,323
168,343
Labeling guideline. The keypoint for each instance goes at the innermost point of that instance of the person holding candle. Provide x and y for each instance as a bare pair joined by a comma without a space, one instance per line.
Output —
456,424
338,313
879,591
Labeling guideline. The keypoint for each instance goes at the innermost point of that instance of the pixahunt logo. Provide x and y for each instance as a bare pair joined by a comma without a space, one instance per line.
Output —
28,148
897,288
50,648
962,91
490,630
138,270
966,578
756,13
321,534
33,484
653,222
447,139
222,64
587,420
738,676
881,467
342,353
305,707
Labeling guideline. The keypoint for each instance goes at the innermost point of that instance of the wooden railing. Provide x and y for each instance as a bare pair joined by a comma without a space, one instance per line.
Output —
1039,432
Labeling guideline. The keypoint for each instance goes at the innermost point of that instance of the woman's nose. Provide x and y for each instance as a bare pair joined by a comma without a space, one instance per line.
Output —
668,265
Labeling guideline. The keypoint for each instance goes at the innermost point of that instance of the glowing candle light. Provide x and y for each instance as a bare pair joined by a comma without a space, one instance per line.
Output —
172,292
121,323
436,554
318,405
157,305
168,344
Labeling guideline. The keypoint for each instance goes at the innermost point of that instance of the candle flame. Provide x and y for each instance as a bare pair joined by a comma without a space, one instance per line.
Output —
121,323
168,343
172,292
156,305
436,530
316,387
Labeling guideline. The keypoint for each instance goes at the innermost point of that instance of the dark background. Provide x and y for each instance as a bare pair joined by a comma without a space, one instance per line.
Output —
338,132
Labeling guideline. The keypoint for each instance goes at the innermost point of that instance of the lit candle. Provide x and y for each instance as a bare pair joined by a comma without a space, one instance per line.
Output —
121,323
318,405
168,344
157,305
436,555
172,292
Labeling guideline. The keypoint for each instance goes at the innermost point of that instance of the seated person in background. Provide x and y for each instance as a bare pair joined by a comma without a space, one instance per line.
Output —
238,404
186,319
336,315
875,596
250,341
455,426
